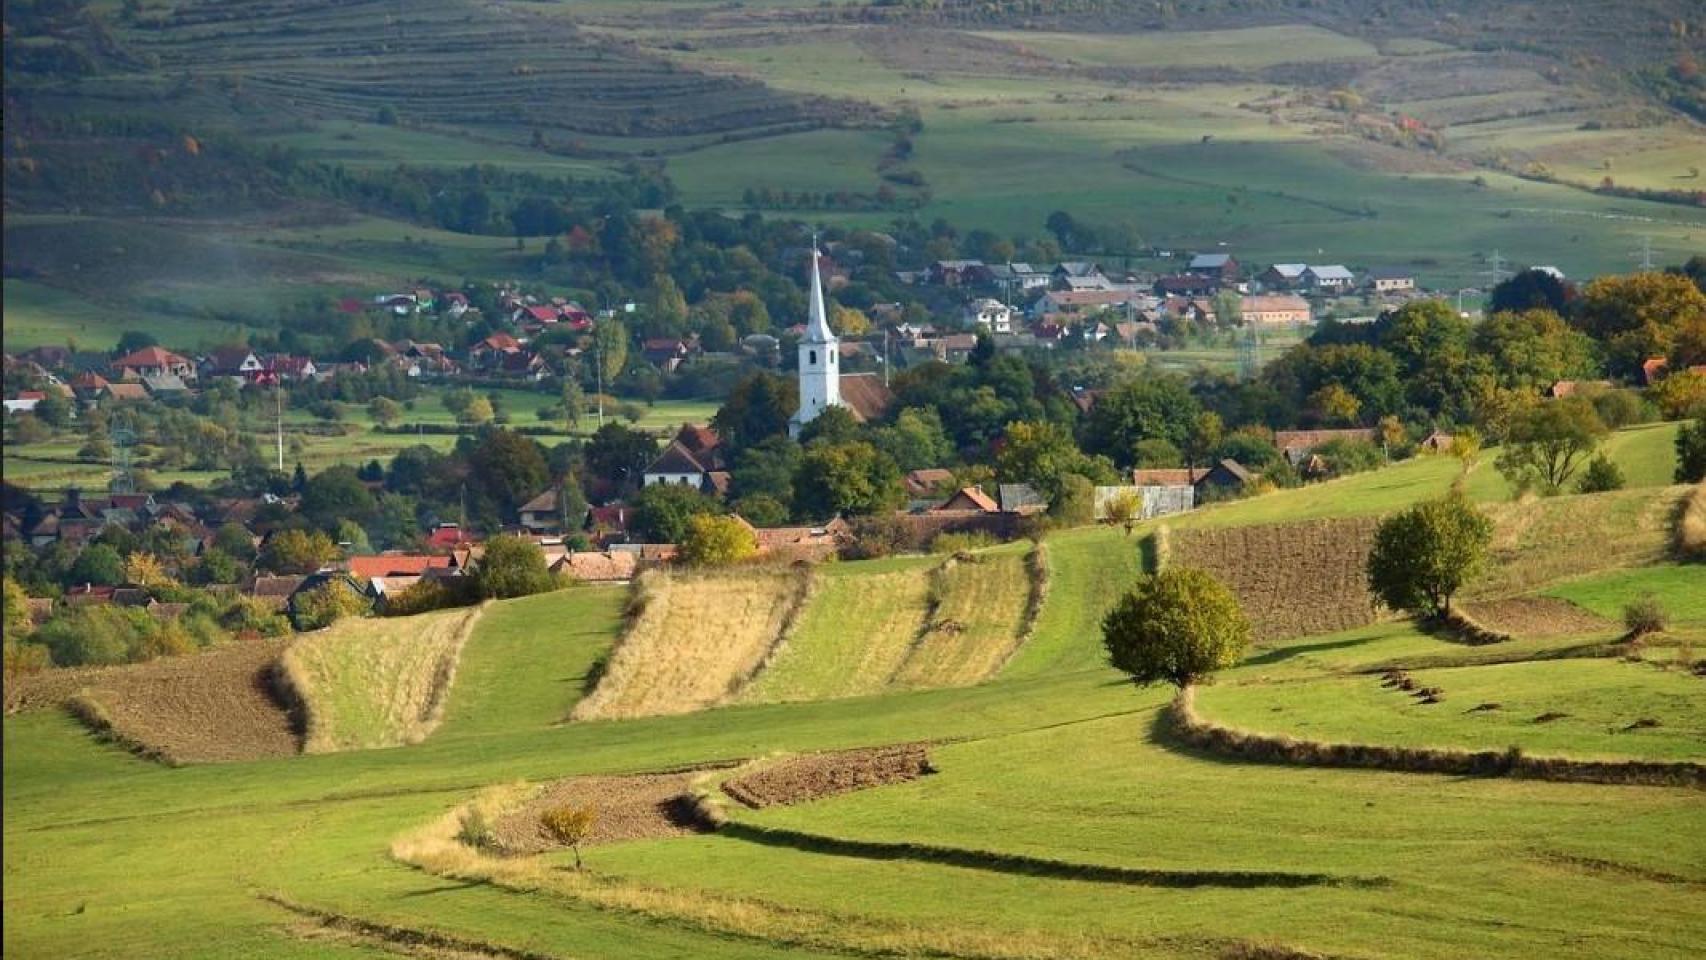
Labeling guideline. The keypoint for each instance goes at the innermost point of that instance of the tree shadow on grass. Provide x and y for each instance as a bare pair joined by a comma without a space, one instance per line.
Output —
1021,865
1282,654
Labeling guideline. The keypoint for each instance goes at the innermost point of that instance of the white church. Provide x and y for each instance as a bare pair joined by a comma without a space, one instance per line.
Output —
822,384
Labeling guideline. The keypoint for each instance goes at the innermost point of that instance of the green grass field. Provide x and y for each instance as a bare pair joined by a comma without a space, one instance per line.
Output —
109,855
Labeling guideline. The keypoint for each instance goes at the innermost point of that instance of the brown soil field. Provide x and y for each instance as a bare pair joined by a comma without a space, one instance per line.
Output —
696,641
1536,617
819,775
210,707
634,807
1293,579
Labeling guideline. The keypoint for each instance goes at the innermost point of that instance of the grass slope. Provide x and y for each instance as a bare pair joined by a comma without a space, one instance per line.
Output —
695,641
977,620
854,634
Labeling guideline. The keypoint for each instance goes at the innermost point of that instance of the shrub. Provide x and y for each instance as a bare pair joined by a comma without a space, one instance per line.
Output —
713,541
1691,451
1422,556
475,830
1177,625
1600,476
22,658
1691,525
959,542
878,536
432,594
570,826
513,567
1645,616
326,604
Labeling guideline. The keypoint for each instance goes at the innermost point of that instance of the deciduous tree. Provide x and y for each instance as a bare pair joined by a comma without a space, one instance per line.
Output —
1424,555
1549,442
1176,626
713,541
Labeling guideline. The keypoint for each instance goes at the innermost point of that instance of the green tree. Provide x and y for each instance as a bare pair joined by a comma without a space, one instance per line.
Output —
1691,451
617,457
16,610
297,551
574,404
662,511
610,348
217,566
99,565
916,440
1532,349
1151,407
385,411
1074,503
831,426
334,494
761,510
513,567
326,604
1644,315
1549,442
1157,454
757,409
509,469
479,410
53,409
1176,626
235,540
1424,555
847,478
717,541
1600,476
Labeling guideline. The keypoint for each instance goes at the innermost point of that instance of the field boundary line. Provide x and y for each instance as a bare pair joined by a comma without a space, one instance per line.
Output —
1037,572
1180,723
805,588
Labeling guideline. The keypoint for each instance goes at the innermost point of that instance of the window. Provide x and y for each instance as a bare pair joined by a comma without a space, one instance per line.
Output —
831,354
813,355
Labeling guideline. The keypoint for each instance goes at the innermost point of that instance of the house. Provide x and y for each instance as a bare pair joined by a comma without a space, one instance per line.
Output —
1328,278
590,566
1226,475
543,513
165,385
969,500
448,536
291,369
1390,280
958,273
1059,303
236,362
695,452
25,402
1221,266
666,353
1297,445
490,352
1438,442
1652,370
1186,285
535,315
1078,284
1020,498
992,315
1570,388
1074,269
124,392
1192,309
153,362
274,593
88,385
1274,310
398,565
794,544
1282,276
1021,277
609,522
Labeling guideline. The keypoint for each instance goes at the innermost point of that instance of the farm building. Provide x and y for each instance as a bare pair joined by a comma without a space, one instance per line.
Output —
1328,278
1390,280
1275,310
1297,445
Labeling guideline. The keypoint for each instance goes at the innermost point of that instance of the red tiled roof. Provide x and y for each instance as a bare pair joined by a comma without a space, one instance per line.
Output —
1164,477
865,395
971,498
395,565
149,357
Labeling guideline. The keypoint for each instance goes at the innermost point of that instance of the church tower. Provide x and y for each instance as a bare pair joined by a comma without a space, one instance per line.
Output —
820,360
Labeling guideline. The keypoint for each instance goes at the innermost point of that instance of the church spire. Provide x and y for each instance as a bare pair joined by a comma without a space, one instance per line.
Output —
817,326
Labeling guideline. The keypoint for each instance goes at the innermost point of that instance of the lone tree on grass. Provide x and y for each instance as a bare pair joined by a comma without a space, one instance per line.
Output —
570,826
1423,556
1177,626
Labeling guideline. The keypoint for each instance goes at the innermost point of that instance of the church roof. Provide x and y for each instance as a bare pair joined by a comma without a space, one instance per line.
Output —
817,326
865,395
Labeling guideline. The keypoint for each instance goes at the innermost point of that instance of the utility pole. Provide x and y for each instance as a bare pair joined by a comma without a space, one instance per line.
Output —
598,339
1647,252
885,356
278,413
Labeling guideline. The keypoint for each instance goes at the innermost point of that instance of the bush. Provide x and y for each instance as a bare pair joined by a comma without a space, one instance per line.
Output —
959,542
1691,451
878,536
513,567
475,830
1645,616
1691,525
326,604
1178,625
570,826
1600,476
713,541
432,594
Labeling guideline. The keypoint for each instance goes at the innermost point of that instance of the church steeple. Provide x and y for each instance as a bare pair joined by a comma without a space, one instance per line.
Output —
820,362
817,326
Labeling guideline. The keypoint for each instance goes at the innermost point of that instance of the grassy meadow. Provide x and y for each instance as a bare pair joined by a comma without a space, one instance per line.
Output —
1058,823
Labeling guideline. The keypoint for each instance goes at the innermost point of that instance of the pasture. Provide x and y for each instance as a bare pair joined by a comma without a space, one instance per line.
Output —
1057,821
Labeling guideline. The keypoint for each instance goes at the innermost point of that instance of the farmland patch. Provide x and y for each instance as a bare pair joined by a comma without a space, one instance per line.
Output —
636,807
1292,579
376,682
981,608
813,777
207,708
695,640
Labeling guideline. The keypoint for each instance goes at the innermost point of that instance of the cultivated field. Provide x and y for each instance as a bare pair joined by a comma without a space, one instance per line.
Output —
980,609
376,683
1292,579
694,641
211,707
